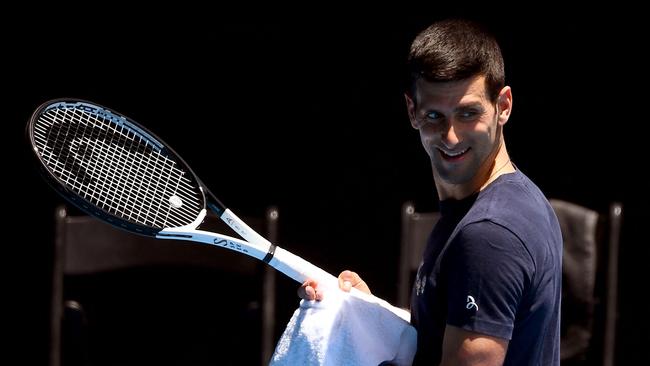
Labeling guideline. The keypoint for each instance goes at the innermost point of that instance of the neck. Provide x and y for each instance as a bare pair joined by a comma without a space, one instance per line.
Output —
500,165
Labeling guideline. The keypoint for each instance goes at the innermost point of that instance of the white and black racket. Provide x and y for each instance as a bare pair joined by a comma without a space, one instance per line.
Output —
113,168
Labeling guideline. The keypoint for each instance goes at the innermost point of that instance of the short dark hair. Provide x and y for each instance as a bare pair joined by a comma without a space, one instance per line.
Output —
456,49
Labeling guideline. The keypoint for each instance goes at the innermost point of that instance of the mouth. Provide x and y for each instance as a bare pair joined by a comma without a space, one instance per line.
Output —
453,156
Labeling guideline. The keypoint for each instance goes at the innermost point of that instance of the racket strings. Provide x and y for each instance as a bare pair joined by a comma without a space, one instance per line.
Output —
116,169
134,180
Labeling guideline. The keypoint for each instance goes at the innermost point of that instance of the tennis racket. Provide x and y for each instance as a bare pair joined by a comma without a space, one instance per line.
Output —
114,169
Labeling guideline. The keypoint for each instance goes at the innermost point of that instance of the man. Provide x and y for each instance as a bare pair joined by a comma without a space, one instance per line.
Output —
488,289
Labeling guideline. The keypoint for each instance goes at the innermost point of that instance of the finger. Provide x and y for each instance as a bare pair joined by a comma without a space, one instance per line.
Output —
304,293
345,280
318,294
309,291
349,279
346,285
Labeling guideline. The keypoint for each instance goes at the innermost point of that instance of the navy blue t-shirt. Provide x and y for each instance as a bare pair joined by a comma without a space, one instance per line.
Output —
493,265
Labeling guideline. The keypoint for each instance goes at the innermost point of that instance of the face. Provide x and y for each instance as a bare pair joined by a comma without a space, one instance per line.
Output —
459,127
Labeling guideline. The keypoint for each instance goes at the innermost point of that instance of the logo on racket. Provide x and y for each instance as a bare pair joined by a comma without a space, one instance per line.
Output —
230,245
74,152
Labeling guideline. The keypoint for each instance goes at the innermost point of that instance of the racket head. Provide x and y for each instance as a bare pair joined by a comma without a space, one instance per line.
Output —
113,168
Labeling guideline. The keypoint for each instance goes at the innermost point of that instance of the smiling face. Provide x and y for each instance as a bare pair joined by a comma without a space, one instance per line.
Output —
460,129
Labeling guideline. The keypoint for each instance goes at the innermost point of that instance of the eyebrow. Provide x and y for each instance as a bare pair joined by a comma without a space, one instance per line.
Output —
470,105
476,105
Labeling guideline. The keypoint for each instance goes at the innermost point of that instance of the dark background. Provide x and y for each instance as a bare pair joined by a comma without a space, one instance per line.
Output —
303,109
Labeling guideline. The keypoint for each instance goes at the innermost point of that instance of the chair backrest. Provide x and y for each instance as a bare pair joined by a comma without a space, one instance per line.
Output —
85,246
415,230
589,282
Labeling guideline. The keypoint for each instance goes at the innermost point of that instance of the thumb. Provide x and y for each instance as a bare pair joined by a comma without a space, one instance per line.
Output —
349,279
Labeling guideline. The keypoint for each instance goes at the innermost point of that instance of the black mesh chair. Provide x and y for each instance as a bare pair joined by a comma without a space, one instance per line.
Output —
121,298
589,282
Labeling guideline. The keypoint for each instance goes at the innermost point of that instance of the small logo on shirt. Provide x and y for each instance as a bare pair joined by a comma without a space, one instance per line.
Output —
471,303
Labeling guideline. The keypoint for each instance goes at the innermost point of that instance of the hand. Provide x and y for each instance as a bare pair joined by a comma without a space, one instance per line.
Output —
347,280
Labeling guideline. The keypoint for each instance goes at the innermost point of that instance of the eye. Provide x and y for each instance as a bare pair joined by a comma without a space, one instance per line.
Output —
433,115
431,119
468,114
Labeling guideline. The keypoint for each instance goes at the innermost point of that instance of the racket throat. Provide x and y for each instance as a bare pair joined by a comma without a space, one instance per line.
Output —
246,232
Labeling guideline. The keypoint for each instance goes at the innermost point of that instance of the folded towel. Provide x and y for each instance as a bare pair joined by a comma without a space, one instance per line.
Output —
346,329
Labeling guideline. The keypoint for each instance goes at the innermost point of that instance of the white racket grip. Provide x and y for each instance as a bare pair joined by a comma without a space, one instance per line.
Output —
299,269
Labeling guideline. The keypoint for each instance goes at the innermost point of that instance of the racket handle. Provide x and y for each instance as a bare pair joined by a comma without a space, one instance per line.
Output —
299,269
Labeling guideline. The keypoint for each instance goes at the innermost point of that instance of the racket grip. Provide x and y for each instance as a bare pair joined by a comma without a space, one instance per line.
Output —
299,269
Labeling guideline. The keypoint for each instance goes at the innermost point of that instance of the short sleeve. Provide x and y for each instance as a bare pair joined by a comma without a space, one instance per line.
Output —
487,271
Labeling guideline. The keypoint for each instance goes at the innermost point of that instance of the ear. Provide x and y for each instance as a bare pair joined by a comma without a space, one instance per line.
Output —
410,109
504,101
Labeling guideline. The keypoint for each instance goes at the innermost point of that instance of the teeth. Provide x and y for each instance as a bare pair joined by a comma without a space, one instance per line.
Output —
455,153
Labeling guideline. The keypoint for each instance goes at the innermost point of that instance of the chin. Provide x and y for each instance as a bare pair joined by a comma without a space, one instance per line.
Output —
455,176
456,180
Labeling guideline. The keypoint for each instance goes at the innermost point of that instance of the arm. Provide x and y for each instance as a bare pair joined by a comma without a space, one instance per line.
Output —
464,348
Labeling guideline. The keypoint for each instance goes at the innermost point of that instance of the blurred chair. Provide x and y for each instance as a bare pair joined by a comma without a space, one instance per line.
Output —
589,282
159,279
415,230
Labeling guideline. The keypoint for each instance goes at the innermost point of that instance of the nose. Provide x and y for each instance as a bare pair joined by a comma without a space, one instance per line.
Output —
449,136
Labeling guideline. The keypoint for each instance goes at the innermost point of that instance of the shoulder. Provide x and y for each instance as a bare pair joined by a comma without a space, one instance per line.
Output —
513,219
490,241
513,192
486,231
514,202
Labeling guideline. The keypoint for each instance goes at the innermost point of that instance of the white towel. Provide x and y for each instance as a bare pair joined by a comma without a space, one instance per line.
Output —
346,329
